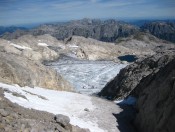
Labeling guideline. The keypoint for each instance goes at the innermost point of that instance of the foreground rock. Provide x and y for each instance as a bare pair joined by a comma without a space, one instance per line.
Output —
152,82
131,76
16,118
156,95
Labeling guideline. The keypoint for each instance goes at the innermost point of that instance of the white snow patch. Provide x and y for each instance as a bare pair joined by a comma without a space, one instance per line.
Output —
43,44
128,101
73,46
58,102
20,47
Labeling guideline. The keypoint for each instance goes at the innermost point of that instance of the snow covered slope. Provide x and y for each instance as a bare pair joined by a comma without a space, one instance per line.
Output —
98,118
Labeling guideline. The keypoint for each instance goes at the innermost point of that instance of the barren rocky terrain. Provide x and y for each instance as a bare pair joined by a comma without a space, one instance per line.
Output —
30,65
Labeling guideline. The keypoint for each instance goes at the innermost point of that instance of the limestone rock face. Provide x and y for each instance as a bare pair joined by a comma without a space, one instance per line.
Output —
162,30
21,62
139,45
129,77
152,82
155,105
90,49
145,43
24,72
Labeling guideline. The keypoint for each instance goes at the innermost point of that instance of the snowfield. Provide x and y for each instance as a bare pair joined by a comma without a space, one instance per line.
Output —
87,77
42,44
99,118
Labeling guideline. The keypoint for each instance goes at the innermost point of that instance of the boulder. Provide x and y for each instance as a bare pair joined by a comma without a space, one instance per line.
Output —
62,119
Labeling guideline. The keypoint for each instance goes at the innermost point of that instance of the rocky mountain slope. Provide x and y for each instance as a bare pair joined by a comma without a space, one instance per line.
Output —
20,63
151,82
162,30
91,49
156,97
108,30
140,45
128,78
146,43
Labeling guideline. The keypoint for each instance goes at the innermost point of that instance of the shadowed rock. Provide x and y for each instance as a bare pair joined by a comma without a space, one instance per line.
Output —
162,30
130,77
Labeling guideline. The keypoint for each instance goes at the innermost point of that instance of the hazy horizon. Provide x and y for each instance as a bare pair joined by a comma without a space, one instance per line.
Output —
16,12
33,25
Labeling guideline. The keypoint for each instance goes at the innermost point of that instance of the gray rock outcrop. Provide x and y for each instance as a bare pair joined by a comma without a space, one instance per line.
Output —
162,30
155,100
152,82
140,45
24,72
91,49
129,77
21,63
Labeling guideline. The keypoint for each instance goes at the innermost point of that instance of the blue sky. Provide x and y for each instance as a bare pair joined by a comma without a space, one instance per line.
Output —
13,12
